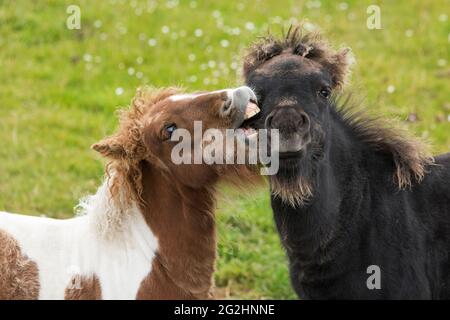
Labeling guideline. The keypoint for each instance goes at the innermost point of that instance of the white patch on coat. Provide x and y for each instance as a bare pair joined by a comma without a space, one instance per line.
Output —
115,244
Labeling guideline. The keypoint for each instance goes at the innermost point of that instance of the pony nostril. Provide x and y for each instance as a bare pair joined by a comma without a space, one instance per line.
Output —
303,123
227,105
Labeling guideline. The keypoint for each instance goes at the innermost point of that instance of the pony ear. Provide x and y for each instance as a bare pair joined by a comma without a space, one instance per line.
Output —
110,147
339,67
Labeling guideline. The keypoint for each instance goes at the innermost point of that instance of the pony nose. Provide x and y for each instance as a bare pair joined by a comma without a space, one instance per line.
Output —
303,122
241,96
288,120
238,100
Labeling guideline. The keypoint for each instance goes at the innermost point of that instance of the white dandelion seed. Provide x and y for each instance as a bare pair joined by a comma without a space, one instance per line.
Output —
130,71
193,4
165,29
443,17
139,60
171,4
103,36
250,26
276,20
151,42
409,33
293,20
343,6
313,4
119,91
224,43
309,26
139,75
122,29
87,57
192,79
191,57
211,64
151,6
97,24
198,32
219,23
441,62
390,89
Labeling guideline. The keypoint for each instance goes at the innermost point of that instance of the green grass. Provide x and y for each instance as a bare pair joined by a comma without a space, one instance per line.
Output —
58,95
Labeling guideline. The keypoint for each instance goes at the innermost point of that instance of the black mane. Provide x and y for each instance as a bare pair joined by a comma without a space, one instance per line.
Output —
310,45
410,155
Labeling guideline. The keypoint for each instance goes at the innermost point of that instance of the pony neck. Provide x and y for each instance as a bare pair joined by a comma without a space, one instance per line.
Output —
182,219
340,183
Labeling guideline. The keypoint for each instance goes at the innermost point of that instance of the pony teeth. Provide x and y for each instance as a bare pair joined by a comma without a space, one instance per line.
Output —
251,110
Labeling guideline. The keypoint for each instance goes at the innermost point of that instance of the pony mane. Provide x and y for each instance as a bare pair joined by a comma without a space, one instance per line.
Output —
310,45
410,155
117,198
124,170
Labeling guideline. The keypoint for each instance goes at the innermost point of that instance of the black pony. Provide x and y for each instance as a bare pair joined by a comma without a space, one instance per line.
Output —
362,210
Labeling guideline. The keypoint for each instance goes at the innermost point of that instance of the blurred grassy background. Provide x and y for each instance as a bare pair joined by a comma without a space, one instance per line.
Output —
59,89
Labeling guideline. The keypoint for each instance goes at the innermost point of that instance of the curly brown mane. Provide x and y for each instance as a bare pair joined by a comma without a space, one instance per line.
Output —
126,148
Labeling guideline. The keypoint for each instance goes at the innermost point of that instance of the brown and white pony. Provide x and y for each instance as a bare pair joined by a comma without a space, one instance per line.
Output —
149,231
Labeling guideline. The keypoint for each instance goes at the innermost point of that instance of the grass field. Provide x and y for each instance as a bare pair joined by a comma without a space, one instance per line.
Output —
59,89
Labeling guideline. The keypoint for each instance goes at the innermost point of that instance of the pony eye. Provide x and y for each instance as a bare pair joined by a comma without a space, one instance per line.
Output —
325,92
169,130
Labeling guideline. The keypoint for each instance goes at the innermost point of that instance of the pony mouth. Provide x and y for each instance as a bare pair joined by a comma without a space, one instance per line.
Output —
252,112
291,154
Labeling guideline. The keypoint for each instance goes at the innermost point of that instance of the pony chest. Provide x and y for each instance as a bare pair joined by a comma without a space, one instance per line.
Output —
121,273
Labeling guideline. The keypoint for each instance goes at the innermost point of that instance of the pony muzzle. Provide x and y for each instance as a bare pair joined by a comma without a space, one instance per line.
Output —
242,105
293,127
